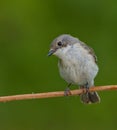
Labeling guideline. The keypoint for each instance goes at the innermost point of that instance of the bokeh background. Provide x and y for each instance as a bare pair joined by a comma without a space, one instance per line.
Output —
27,28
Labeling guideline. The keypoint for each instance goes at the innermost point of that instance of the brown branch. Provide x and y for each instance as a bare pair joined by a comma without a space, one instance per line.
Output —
54,94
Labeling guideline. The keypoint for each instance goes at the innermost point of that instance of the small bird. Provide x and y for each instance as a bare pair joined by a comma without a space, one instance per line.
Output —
77,65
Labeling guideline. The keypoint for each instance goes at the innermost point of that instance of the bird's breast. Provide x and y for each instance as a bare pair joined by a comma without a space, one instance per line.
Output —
70,72
77,67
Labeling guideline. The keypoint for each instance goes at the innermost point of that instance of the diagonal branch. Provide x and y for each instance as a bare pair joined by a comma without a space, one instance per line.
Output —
54,94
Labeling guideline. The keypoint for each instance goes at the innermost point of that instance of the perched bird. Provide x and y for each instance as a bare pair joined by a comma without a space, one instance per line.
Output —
77,64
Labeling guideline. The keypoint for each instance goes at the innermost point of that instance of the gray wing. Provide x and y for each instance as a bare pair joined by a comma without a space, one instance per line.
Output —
90,50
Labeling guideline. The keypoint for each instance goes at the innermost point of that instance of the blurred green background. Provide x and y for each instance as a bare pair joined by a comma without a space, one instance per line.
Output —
27,28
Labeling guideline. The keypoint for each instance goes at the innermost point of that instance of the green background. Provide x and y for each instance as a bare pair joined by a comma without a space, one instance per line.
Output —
27,28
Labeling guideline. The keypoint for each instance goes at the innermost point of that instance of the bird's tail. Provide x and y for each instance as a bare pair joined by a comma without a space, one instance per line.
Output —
90,97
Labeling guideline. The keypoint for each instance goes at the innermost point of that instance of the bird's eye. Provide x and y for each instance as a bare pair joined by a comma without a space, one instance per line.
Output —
59,43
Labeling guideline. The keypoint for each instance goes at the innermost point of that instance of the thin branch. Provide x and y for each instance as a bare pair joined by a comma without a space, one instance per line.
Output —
54,94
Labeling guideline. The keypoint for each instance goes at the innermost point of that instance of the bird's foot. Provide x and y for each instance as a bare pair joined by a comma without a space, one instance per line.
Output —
85,88
67,92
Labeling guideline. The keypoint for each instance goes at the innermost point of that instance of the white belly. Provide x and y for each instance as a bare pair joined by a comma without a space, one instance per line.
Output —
78,67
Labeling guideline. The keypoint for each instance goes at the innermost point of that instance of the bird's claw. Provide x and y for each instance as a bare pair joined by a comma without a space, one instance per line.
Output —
67,92
87,90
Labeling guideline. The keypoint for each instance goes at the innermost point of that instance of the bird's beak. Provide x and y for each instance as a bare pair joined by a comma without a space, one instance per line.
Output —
51,52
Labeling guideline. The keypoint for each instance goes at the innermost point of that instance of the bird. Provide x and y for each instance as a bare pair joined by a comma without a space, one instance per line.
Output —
77,65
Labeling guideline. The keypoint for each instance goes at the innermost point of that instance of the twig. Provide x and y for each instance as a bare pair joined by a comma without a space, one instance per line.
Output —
54,94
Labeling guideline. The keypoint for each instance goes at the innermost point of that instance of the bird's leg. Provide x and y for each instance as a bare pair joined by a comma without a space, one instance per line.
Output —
85,95
67,90
85,88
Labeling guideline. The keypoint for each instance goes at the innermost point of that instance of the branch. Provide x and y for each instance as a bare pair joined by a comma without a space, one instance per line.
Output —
54,94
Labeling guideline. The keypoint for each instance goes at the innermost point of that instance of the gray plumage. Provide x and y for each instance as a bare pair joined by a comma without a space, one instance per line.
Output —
77,64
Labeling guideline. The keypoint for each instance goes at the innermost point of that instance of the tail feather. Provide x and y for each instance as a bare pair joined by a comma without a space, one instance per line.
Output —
90,97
